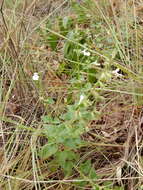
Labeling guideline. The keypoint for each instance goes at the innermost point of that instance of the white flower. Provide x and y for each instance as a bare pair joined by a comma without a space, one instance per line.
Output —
86,53
35,76
95,63
115,72
81,99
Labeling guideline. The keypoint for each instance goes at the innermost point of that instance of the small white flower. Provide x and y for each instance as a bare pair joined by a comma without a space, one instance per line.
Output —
95,63
86,53
35,76
115,72
81,99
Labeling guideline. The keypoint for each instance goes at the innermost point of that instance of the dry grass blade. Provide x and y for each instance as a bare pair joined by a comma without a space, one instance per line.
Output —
85,106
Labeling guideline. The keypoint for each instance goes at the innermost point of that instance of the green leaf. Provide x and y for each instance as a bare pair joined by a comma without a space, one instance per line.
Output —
66,160
73,143
53,165
52,40
65,156
48,150
81,184
61,157
49,101
86,115
118,188
68,168
47,119
85,167
92,78
92,173
69,115
95,187
50,130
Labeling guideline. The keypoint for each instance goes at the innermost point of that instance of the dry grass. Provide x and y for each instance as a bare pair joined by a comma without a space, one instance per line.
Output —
114,140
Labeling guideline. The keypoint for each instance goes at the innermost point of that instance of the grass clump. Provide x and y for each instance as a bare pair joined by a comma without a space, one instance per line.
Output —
71,95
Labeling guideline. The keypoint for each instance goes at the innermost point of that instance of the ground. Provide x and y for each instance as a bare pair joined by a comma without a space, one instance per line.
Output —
79,125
